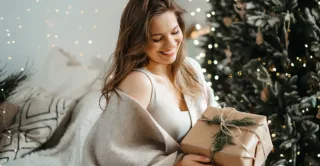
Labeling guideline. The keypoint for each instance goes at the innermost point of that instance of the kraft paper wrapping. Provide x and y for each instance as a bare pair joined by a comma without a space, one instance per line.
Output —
200,138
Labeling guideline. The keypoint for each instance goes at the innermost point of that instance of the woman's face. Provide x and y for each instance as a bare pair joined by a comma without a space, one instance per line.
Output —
165,39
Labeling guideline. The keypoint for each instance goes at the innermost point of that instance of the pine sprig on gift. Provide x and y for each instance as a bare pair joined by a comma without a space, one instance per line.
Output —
9,83
223,137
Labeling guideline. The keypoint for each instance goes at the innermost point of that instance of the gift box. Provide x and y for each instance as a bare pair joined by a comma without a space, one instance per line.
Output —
229,137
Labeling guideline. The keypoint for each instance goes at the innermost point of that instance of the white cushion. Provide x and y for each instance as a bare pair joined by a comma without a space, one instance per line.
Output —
38,118
63,76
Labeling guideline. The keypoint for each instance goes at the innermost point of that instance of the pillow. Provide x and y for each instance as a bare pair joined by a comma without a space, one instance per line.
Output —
40,114
63,76
8,112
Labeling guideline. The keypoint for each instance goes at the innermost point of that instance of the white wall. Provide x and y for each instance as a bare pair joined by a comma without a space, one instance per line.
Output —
30,28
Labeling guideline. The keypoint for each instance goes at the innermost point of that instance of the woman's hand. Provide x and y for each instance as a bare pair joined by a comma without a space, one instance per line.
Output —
194,160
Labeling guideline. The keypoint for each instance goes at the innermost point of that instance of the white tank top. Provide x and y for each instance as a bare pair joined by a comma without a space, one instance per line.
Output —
167,113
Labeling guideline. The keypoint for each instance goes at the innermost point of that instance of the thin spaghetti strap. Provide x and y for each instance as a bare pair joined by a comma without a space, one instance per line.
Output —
152,84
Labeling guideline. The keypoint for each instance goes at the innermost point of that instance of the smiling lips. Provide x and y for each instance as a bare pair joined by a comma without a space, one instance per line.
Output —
168,53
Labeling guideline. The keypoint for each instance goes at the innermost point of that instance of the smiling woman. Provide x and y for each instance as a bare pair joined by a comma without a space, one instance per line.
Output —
154,93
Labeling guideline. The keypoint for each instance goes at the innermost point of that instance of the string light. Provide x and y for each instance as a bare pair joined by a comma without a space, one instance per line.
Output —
215,62
216,77
304,65
204,70
67,12
57,10
210,46
216,98
216,45
292,64
208,15
273,135
213,13
28,9
56,36
269,121
96,11
213,29
90,41
198,26
192,13
22,69
196,42
76,42
48,35
209,62
20,26
209,76
290,161
298,153
202,55
198,9
9,57
306,45
281,155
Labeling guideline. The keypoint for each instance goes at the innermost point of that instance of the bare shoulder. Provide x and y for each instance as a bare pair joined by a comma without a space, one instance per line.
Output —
138,86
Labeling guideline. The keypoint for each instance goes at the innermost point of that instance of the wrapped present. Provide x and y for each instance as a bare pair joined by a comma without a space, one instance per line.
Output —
230,138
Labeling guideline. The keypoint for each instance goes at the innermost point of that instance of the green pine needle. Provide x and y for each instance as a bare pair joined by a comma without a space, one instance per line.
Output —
222,139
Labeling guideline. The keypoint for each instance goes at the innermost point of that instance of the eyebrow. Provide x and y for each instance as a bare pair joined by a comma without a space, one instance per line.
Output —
161,34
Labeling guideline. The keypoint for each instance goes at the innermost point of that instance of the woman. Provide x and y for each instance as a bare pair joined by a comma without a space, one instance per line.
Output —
154,93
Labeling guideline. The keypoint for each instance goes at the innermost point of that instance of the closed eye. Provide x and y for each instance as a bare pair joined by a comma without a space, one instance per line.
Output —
157,40
176,32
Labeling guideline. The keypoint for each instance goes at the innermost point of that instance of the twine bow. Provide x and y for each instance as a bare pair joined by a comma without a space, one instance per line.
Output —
224,136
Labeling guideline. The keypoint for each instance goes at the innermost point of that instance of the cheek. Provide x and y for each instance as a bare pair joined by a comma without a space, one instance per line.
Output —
179,38
152,47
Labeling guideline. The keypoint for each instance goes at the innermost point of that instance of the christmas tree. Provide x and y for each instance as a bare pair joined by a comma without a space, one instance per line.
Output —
263,57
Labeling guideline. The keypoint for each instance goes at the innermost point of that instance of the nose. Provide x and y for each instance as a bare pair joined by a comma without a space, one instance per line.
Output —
171,42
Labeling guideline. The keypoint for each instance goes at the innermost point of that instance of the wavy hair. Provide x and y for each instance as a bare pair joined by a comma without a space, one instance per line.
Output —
133,38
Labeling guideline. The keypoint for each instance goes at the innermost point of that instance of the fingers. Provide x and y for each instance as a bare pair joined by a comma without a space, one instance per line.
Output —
199,158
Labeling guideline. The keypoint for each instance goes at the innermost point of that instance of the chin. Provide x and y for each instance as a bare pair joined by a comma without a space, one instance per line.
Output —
168,60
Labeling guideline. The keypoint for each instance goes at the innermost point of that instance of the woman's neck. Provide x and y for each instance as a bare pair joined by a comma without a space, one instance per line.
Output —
158,69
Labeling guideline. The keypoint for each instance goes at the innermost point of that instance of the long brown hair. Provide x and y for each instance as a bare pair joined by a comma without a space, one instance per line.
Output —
132,40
